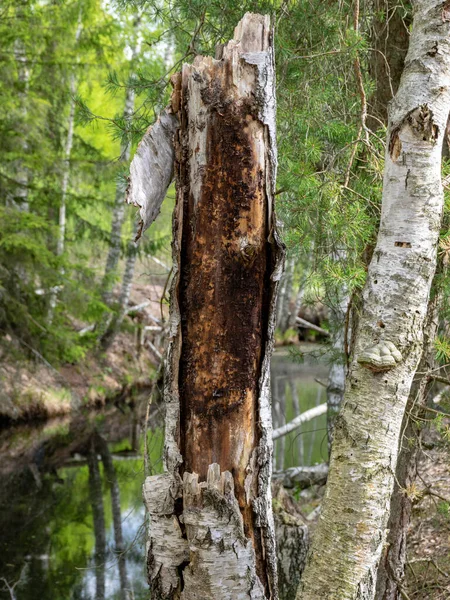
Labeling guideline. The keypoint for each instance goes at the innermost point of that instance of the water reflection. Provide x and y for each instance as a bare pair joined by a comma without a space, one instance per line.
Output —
72,521
71,513
295,389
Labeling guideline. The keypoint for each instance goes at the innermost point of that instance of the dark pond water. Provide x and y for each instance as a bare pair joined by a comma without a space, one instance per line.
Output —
71,492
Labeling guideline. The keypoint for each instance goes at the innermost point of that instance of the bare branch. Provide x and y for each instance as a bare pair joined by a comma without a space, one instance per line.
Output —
308,415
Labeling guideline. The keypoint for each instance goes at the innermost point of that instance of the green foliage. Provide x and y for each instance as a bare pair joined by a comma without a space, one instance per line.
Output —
329,177
47,48
442,345
444,509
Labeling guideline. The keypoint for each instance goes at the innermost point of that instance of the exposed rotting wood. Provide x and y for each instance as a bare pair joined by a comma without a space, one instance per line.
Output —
217,512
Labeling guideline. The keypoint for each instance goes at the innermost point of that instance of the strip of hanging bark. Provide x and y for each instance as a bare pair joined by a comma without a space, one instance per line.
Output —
308,415
211,527
151,169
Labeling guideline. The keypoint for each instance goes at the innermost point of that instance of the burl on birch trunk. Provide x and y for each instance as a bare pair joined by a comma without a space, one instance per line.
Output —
351,532
211,532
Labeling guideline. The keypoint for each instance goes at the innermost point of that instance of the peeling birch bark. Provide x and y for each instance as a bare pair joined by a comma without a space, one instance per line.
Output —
211,532
151,170
356,505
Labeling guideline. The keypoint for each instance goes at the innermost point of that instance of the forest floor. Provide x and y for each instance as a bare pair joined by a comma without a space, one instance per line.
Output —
428,567
34,389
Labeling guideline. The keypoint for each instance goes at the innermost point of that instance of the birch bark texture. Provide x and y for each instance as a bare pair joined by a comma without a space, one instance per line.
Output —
391,572
211,532
390,332
338,370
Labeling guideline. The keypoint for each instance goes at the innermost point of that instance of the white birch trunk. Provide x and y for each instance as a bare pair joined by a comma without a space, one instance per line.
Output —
301,291
125,293
22,173
391,572
98,518
278,391
211,533
389,337
119,207
60,243
296,406
284,298
338,370
120,547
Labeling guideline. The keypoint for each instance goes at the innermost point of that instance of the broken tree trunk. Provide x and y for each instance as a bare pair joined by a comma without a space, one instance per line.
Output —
211,533
390,332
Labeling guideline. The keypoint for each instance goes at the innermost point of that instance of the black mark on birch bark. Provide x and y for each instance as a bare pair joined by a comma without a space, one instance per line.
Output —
446,11
434,50
395,145
420,120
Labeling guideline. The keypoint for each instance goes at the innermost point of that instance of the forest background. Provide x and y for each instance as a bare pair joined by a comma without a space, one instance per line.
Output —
80,83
